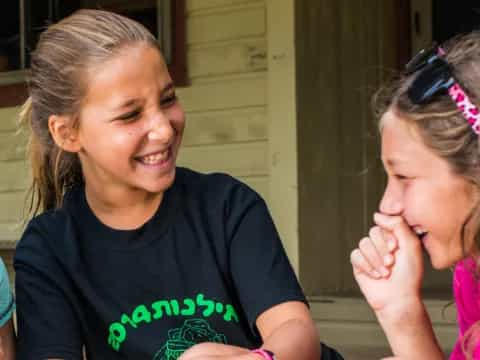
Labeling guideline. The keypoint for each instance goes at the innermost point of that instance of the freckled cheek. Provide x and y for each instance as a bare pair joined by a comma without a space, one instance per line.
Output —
125,141
177,118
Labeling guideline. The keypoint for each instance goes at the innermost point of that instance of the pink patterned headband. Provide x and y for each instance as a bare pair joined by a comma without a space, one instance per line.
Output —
469,111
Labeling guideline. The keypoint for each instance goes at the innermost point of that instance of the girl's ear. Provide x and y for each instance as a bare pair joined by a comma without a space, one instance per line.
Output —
63,133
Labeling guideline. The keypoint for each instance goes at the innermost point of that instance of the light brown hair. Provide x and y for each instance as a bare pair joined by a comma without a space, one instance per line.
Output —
65,53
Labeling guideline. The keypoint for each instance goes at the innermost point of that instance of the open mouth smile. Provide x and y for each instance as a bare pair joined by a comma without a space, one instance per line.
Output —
157,158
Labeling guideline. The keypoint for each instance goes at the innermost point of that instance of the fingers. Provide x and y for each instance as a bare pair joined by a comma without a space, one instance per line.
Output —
387,221
384,243
397,226
372,248
373,256
360,264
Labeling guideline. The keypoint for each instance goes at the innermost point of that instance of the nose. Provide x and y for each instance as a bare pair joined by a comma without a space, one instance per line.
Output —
160,128
392,200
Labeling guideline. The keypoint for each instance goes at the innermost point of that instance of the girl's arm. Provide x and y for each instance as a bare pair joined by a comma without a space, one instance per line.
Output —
287,330
7,337
7,334
409,330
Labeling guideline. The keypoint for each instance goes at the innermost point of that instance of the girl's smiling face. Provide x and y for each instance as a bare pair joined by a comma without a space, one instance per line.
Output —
424,190
130,123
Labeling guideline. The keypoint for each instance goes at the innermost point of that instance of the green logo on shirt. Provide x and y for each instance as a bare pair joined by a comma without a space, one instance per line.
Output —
160,308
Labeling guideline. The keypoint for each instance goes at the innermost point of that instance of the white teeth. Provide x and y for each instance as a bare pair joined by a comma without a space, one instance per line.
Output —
419,231
155,159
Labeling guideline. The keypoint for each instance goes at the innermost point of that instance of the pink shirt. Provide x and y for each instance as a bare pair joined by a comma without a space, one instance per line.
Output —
466,290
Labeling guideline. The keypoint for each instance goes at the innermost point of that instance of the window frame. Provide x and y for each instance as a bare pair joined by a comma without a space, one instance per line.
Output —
13,84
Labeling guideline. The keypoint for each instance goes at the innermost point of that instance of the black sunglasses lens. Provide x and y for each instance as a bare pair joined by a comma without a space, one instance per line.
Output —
434,79
421,59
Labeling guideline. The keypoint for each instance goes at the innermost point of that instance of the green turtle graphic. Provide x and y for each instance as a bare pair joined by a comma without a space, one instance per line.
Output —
193,331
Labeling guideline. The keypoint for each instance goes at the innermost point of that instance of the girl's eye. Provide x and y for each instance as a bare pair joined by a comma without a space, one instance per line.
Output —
168,101
130,116
401,177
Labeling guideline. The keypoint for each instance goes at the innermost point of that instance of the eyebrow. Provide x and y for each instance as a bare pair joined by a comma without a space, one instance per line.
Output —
128,103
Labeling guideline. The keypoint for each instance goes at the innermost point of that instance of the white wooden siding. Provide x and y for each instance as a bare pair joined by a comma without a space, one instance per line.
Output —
13,177
226,104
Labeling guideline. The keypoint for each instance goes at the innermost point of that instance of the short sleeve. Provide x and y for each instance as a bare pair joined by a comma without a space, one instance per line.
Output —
7,305
47,325
466,290
261,271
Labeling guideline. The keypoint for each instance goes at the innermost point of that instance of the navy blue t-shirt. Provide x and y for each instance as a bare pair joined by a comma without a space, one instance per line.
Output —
203,268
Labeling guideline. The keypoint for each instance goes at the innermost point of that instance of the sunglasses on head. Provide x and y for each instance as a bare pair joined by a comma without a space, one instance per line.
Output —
433,78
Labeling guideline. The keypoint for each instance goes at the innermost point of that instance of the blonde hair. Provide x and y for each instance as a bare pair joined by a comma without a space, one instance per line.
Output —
65,53
444,130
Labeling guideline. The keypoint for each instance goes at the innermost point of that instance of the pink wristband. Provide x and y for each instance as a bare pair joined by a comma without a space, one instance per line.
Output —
267,355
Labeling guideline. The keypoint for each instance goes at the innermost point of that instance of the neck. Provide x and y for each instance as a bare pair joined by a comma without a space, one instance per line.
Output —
122,208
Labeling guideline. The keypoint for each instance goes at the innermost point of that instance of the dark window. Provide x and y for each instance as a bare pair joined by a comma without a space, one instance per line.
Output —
21,22
10,36
453,18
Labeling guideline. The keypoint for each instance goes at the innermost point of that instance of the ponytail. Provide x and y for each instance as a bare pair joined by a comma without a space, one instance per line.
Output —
53,171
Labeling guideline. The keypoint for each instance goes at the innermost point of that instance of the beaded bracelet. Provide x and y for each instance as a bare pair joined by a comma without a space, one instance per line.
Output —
266,354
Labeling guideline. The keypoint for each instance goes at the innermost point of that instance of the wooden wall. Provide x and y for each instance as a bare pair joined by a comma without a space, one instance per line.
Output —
13,177
344,49
13,183
226,101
